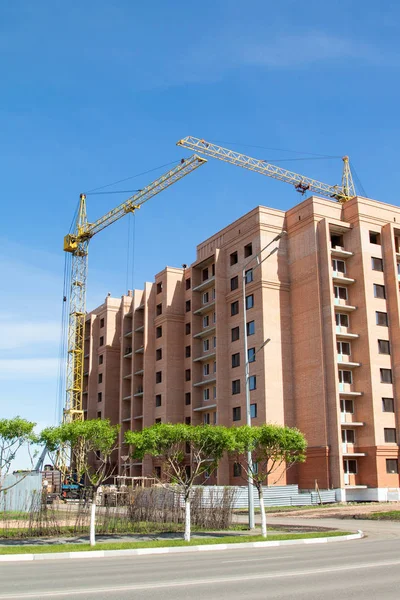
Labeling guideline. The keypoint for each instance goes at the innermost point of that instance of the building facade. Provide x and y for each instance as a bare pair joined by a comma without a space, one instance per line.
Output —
328,300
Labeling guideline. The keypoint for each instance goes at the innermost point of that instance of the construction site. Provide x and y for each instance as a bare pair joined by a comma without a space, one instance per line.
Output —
286,317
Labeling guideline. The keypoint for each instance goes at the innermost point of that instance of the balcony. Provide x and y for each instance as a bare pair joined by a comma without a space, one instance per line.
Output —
204,309
342,305
126,420
138,393
346,390
205,357
345,421
343,360
205,332
204,285
137,418
140,350
129,376
340,252
344,333
139,329
204,408
339,277
350,451
140,372
128,334
205,382
128,352
141,307
127,397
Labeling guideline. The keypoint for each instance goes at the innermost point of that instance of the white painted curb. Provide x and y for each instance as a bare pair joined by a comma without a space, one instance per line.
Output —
176,549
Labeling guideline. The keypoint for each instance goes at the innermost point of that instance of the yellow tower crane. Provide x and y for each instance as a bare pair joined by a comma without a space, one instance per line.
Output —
342,193
77,244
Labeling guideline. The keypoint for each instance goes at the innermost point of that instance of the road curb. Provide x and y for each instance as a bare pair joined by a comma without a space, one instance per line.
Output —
175,549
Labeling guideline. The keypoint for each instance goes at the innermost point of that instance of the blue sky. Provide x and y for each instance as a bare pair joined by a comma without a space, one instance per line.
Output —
96,91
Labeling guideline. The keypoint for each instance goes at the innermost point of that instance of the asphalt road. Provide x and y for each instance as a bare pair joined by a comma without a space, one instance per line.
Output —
362,569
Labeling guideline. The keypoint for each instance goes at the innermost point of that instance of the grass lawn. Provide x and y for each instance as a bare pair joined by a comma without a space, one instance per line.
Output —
390,515
44,549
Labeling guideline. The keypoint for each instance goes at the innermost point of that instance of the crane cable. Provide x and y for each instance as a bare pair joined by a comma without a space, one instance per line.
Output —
62,353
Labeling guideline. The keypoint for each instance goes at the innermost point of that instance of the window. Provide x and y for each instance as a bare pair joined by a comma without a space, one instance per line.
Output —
384,346
348,436
350,466
188,420
187,328
205,274
188,375
336,240
99,396
340,292
100,378
206,321
206,418
187,305
235,334
188,351
343,348
251,328
187,450
379,291
98,454
375,238
252,382
251,355
249,301
236,360
390,435
205,298
339,266
345,376
214,341
188,283
236,386
236,413
382,319
101,323
237,469
99,414
214,392
388,405
342,320
233,258
248,276
214,366
377,264
101,341
188,398
157,472
213,270
386,375
213,293
234,283
255,468
214,318
206,345
392,466
159,287
206,369
158,400
101,359
253,411
158,331
206,394
235,308
248,250
347,406
159,309
158,420
158,354
158,377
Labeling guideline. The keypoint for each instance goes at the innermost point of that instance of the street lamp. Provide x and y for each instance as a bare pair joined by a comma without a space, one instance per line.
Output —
247,366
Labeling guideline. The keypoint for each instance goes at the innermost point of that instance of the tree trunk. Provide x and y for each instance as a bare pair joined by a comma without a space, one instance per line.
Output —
262,509
93,519
187,519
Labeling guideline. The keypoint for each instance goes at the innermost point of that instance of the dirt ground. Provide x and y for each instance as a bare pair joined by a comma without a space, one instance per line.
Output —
339,511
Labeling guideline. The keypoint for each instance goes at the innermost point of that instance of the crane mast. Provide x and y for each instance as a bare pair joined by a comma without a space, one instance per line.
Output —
77,243
342,193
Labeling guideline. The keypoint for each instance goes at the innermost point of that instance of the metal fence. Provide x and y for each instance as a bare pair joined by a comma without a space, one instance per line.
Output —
19,497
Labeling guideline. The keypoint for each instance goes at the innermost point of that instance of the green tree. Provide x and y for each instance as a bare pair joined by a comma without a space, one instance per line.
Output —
187,453
91,445
272,447
15,433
